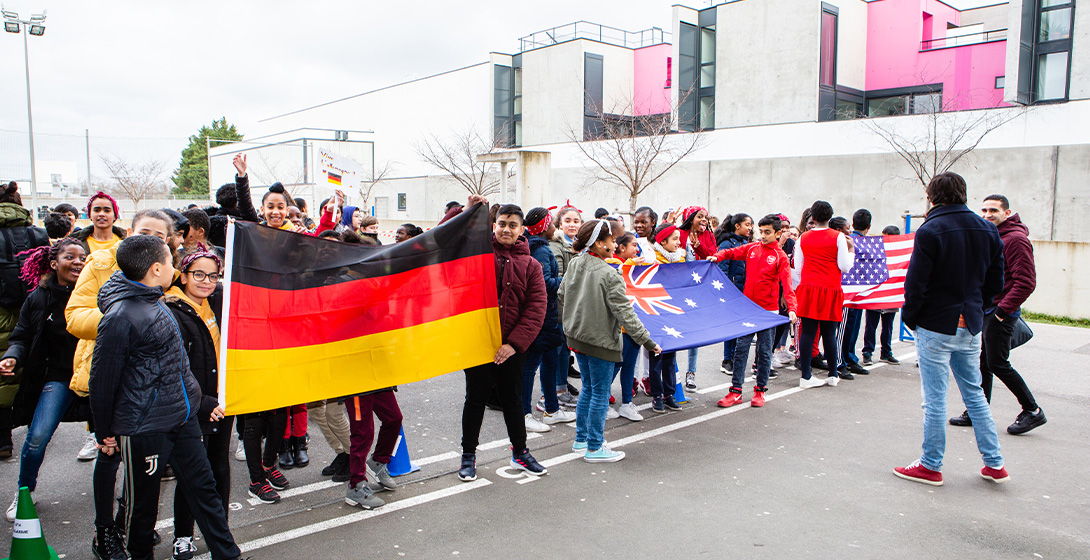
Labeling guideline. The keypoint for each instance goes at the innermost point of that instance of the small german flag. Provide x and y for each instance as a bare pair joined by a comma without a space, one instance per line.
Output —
309,319
333,178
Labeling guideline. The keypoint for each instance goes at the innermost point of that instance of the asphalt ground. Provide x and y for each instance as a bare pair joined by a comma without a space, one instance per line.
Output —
809,475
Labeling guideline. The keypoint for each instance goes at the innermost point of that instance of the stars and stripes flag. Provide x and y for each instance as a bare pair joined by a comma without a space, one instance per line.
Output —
689,305
877,280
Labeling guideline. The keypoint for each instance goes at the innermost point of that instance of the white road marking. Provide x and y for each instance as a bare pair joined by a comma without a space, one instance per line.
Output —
288,493
349,519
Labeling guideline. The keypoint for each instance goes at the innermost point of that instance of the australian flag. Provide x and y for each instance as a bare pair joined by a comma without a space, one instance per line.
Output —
689,305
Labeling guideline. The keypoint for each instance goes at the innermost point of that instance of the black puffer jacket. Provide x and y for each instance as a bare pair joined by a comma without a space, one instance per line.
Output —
552,334
140,380
44,306
201,350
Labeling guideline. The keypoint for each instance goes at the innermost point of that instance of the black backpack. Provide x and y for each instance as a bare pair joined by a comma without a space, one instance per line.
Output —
13,291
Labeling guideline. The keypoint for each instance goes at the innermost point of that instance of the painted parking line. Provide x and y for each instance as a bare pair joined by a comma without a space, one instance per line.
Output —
349,519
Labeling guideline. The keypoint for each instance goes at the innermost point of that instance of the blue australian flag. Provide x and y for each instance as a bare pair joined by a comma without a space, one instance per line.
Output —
689,305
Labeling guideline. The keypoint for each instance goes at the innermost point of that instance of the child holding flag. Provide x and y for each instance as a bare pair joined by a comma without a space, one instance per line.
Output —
767,270
593,307
668,249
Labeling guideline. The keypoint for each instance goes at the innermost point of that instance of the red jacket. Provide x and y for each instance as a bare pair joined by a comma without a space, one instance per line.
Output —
522,295
1019,270
767,269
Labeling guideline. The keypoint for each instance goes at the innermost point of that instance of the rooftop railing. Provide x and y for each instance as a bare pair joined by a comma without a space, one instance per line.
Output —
594,32
962,40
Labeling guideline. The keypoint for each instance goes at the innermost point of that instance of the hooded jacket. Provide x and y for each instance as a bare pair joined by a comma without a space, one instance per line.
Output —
522,296
84,233
562,251
594,307
140,379
552,334
1019,270
82,313
200,348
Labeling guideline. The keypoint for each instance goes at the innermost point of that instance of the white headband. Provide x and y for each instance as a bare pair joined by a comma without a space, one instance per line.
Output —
594,236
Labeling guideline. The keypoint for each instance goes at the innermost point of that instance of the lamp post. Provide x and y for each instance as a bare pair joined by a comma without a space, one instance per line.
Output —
35,26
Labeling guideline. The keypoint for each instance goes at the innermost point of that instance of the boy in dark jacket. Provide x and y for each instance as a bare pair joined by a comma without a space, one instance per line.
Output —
145,400
522,301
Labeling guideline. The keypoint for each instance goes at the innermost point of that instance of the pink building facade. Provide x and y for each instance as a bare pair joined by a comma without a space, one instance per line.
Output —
651,79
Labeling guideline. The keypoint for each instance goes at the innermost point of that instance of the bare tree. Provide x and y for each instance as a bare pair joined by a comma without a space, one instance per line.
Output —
457,156
942,136
135,181
270,170
368,183
632,152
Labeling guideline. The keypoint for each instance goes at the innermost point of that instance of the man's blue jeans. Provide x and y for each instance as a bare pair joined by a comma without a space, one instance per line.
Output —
547,361
52,405
590,412
763,359
939,355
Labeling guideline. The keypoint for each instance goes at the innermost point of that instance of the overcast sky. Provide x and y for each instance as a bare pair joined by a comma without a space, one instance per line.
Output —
128,68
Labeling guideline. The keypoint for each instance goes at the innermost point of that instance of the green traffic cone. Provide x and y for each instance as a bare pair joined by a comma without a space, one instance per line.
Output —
27,542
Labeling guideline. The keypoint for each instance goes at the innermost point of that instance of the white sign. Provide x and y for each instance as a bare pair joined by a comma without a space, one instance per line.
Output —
27,529
339,172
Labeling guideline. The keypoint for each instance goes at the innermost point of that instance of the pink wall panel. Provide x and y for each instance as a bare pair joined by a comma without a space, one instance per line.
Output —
650,77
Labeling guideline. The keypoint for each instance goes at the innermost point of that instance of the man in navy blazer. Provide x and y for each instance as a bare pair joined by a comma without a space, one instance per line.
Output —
956,268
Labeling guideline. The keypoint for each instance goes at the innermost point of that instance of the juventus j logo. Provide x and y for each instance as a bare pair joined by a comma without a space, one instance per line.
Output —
153,464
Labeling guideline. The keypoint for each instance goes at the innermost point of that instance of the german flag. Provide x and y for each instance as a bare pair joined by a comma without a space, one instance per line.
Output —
309,319
333,178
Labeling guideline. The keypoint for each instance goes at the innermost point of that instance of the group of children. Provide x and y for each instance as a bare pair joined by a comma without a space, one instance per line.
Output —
121,328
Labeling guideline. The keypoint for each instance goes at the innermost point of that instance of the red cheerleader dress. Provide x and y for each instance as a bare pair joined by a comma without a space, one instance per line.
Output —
819,293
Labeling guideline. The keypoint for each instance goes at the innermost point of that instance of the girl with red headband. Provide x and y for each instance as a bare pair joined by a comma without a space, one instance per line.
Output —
701,244
102,233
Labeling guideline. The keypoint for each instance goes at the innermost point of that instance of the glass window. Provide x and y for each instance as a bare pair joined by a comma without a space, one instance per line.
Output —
1052,75
707,76
707,113
1055,25
1000,82
828,49
1050,3
883,106
846,110
926,103
402,202
518,133
707,46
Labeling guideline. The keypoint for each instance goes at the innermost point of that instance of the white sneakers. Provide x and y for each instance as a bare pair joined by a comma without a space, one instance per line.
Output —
832,381
611,413
240,452
559,417
90,449
535,425
628,410
14,507
811,383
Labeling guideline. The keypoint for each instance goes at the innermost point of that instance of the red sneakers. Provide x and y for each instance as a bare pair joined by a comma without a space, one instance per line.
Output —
919,473
998,476
646,383
731,399
758,399
612,400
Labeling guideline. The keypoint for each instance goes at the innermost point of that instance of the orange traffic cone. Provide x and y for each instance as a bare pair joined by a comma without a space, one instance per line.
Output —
27,542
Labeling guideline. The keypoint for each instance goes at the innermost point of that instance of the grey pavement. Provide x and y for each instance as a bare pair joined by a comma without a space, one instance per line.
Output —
809,475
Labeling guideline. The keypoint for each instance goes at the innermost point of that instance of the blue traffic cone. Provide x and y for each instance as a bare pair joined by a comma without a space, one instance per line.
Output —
27,542
679,393
400,463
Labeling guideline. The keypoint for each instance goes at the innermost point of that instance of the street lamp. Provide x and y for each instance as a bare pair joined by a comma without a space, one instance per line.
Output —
35,25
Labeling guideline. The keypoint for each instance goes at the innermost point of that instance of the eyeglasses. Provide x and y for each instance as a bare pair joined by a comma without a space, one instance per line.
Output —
201,276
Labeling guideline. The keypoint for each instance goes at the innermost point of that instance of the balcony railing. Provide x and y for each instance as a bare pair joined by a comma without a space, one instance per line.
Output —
962,40
594,32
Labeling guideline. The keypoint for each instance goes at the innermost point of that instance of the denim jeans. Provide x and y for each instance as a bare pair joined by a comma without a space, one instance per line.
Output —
547,361
561,359
849,335
663,367
763,359
627,368
52,405
728,351
939,355
692,360
590,412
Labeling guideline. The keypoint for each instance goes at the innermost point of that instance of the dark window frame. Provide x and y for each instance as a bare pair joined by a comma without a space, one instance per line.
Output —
827,93
503,127
1031,50
910,92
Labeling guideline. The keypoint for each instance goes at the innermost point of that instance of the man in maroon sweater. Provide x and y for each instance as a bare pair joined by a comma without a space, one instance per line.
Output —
1019,281
520,286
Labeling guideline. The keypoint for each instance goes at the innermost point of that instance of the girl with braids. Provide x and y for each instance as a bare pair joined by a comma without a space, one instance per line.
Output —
44,349
594,307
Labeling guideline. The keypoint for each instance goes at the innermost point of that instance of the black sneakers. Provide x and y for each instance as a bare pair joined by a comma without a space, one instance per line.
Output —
867,359
857,369
1027,421
108,544
962,420
669,402
264,493
888,358
523,461
468,472
817,362
276,478
339,462
727,366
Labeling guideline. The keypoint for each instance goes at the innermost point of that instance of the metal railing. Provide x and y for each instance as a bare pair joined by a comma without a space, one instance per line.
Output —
594,32
963,40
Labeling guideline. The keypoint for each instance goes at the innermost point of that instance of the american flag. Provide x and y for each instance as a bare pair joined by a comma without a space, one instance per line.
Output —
877,281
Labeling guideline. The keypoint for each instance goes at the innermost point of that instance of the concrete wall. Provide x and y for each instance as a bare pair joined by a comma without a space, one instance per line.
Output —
1080,53
552,93
1061,288
777,40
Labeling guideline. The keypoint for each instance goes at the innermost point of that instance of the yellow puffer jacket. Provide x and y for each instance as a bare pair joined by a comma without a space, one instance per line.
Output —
82,314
